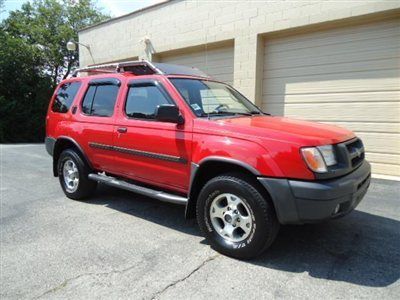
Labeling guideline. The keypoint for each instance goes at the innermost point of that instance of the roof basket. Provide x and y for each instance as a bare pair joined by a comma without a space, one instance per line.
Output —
139,67
142,67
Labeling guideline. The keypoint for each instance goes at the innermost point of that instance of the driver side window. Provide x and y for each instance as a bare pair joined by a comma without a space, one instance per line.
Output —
143,100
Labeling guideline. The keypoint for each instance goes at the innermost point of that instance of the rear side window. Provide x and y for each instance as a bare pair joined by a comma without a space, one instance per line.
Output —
143,101
65,96
100,100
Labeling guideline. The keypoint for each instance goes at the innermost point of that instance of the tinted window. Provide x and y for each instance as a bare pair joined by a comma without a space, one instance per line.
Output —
143,101
65,96
87,101
100,100
213,98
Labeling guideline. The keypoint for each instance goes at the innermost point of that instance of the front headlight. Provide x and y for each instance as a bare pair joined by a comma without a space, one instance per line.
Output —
319,158
328,154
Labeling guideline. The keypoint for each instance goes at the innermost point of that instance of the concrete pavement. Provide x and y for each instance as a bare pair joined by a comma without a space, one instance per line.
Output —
121,245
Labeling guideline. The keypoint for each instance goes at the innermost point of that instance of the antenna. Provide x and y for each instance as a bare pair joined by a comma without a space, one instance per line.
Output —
208,108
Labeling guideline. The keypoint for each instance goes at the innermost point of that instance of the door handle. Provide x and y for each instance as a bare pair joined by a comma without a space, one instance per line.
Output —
122,129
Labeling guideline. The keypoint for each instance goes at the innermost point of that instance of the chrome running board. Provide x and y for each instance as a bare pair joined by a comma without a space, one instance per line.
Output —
163,196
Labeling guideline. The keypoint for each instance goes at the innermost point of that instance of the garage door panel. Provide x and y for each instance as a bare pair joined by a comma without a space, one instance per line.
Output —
337,68
389,96
341,37
378,112
377,127
216,62
349,77
198,59
388,143
359,55
383,158
382,80
343,50
385,169
221,69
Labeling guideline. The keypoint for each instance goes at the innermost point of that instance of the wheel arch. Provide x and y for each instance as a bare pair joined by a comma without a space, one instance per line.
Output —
62,143
211,167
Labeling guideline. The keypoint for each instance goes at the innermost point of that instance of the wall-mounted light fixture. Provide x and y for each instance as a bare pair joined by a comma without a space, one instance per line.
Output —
72,46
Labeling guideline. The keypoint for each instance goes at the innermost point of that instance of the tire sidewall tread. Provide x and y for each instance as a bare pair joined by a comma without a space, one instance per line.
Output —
265,224
86,186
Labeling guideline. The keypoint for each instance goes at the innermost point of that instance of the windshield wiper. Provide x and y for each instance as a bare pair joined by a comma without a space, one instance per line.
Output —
255,112
243,113
226,113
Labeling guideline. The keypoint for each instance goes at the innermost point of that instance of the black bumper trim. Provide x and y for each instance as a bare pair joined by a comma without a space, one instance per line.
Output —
299,202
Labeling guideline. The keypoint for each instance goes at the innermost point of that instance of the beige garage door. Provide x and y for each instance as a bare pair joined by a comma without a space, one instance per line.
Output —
349,77
216,62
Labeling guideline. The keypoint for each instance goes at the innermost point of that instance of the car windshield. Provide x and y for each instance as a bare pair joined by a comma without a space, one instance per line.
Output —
210,98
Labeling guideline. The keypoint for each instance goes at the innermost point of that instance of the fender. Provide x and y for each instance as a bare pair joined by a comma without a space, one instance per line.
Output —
231,161
194,170
54,151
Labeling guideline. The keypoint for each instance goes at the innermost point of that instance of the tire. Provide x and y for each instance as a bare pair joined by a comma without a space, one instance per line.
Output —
71,162
236,239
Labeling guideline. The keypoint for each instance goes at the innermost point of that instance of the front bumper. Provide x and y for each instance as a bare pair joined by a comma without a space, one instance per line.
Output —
298,202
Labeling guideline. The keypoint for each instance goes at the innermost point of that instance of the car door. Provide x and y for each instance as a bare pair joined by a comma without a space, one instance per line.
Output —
96,114
146,149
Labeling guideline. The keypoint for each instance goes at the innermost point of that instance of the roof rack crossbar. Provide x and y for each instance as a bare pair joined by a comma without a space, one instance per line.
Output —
117,67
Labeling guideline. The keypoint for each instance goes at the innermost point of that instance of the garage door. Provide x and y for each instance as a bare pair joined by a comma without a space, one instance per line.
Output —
216,62
349,77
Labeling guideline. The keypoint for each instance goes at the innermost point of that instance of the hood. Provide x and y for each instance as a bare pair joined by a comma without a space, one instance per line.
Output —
304,133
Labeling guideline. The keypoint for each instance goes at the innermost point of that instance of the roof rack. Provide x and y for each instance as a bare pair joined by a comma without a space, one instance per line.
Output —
138,67
142,67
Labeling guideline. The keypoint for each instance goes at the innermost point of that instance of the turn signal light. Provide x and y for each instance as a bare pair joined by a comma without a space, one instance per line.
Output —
313,158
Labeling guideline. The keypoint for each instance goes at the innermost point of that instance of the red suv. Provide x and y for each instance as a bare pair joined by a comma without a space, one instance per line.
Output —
172,133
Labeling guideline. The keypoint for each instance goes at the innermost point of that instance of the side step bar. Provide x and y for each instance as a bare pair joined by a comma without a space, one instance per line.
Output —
163,196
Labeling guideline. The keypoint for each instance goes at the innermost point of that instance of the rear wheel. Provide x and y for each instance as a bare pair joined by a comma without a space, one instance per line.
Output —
236,217
73,175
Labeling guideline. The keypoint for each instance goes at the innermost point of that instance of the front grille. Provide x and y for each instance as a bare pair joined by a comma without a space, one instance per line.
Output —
349,156
357,160
356,153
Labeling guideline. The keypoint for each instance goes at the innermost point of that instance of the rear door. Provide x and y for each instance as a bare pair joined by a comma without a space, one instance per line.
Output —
96,115
146,149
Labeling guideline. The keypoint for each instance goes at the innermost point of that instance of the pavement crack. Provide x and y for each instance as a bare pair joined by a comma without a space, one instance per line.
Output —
69,280
172,284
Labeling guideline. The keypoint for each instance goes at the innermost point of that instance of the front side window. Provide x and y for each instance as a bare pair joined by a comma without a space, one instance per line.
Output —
209,98
100,100
65,96
142,101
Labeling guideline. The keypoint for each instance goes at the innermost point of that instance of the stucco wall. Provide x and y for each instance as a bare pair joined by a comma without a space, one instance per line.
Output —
180,24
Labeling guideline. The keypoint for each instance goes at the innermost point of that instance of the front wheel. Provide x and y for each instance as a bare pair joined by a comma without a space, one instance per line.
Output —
236,217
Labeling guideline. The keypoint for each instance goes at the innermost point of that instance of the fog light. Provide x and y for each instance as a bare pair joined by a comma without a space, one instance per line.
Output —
336,209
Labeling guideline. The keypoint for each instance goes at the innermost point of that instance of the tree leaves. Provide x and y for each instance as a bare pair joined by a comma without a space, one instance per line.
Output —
49,25
34,59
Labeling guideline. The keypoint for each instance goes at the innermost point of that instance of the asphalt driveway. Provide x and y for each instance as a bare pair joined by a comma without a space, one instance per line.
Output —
120,245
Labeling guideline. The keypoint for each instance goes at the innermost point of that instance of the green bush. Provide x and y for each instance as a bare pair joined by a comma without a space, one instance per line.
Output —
34,59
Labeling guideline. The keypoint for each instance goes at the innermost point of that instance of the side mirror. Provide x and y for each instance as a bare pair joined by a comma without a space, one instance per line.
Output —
169,113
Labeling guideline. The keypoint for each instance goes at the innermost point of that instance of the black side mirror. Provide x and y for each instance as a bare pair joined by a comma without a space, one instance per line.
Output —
169,113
